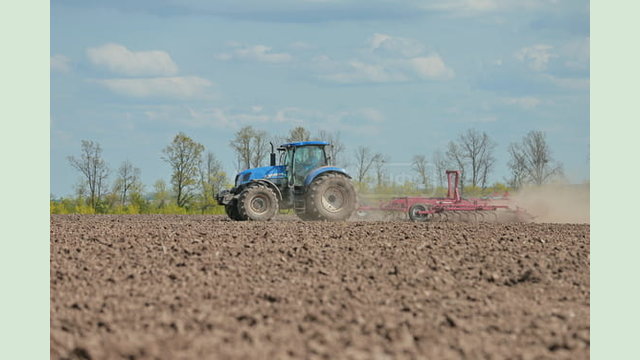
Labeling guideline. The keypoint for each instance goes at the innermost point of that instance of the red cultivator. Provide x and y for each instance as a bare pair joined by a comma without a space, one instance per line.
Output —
452,207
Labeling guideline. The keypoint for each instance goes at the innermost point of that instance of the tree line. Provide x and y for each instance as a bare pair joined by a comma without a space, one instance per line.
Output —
473,153
196,175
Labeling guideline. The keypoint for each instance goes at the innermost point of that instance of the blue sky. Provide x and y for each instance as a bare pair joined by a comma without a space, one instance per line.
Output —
402,77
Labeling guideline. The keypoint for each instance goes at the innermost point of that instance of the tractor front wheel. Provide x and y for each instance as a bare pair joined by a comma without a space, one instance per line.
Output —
232,211
257,202
331,197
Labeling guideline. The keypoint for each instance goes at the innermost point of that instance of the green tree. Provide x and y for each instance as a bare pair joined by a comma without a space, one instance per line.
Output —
161,195
183,154
212,179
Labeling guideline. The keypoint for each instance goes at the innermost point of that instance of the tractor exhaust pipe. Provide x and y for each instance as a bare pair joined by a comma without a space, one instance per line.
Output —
272,157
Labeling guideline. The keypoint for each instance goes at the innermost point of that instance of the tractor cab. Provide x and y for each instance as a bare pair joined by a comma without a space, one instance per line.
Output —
301,158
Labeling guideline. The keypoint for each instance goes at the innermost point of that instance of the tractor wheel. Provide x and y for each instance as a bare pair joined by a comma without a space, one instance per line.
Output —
414,212
331,197
232,211
258,203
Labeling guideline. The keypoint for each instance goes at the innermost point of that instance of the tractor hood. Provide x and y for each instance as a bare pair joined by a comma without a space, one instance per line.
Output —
265,172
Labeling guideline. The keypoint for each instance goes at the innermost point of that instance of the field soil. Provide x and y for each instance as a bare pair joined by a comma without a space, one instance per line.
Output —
204,287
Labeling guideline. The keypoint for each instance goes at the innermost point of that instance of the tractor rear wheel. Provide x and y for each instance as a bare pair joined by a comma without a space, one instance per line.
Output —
257,202
415,215
330,197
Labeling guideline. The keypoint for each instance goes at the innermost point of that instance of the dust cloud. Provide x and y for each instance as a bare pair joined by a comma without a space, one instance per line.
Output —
555,203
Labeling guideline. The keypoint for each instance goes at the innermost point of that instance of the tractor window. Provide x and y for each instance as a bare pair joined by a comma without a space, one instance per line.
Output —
306,159
285,157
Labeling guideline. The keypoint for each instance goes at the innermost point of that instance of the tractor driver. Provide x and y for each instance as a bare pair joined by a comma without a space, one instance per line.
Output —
308,158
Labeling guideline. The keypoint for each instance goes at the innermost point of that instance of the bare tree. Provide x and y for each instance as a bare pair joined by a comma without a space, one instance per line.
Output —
183,154
419,164
242,145
260,148
251,146
299,133
441,166
517,165
364,160
128,180
531,161
337,146
379,163
457,159
473,154
212,178
93,168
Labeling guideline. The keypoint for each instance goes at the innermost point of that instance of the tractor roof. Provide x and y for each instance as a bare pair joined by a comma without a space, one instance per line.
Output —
304,143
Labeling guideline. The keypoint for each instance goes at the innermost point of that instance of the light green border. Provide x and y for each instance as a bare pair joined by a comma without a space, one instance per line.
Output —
24,206
615,246
615,172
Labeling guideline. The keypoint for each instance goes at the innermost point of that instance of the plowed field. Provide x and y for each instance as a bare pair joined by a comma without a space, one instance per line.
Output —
203,287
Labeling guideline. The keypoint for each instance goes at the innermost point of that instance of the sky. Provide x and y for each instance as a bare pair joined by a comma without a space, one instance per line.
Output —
402,77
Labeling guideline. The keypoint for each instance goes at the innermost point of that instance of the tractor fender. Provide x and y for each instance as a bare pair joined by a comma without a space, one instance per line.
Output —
268,183
321,170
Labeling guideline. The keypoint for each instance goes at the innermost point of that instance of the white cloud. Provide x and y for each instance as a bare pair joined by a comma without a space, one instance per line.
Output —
60,63
260,53
472,5
393,45
371,114
165,87
224,56
118,59
525,102
236,118
393,70
536,57
570,83
431,67
356,121
359,121
301,45
387,59
360,72
577,54
475,7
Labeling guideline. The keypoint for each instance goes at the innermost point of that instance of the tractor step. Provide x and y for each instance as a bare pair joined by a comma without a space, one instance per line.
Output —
299,202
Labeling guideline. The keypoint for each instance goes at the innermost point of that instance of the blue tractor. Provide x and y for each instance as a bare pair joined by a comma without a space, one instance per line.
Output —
305,180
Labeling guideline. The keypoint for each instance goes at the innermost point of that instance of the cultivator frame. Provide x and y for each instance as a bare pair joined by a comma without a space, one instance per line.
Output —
452,207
